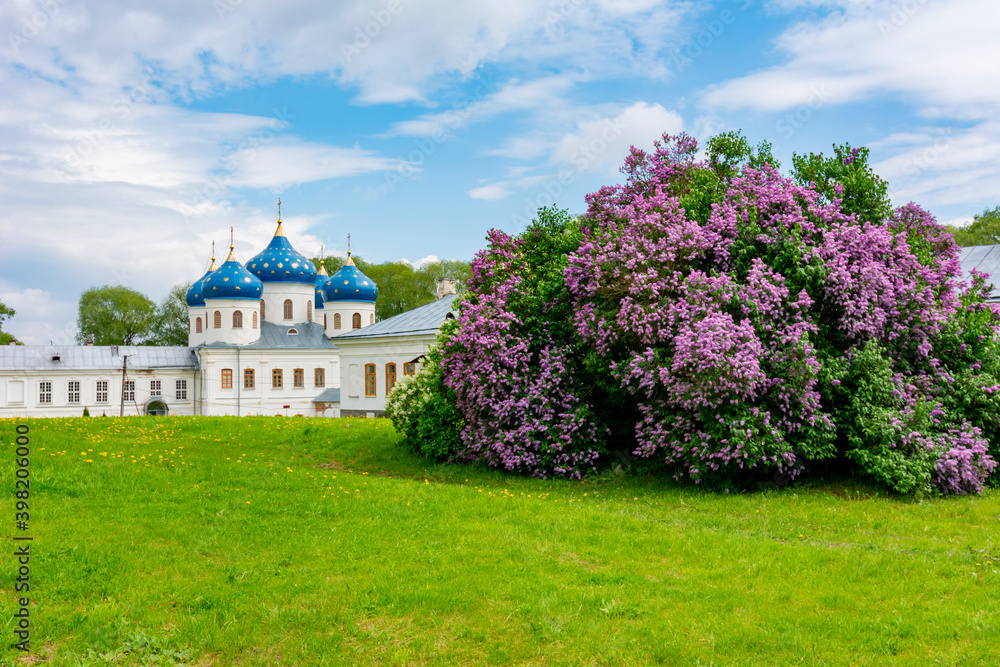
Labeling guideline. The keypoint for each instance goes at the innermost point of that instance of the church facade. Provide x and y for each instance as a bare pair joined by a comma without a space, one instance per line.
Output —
275,336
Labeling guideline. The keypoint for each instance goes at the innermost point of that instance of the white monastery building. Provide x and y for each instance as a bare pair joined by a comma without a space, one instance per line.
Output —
272,337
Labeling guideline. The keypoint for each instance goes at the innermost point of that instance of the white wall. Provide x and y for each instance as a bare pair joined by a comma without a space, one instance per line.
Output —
301,294
31,406
355,354
346,309
263,398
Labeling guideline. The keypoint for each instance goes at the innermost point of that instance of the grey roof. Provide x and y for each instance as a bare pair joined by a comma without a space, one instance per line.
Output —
422,320
984,258
275,337
328,396
93,357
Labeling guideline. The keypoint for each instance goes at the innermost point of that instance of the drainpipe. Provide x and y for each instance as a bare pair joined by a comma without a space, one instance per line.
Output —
239,385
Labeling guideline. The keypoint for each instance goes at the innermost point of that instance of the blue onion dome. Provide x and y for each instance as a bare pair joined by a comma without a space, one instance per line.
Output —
349,284
195,295
322,278
279,262
232,281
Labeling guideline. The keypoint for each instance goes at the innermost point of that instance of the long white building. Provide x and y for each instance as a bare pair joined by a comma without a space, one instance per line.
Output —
272,337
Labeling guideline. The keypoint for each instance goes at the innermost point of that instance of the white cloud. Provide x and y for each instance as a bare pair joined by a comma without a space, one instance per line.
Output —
941,56
490,192
601,144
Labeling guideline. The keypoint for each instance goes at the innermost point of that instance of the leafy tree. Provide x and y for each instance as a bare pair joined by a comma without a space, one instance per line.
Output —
113,315
729,152
846,177
6,338
171,325
984,230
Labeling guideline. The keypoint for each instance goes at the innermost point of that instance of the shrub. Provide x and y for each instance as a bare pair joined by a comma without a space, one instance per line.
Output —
739,324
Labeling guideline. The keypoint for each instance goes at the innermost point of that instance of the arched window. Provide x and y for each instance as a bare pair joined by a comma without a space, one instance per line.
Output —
288,309
218,320
356,321
262,309
324,320
197,325
390,377
309,311
369,379
237,319
372,319
255,320
336,320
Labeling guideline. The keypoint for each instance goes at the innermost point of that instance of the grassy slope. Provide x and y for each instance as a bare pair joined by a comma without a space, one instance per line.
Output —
289,541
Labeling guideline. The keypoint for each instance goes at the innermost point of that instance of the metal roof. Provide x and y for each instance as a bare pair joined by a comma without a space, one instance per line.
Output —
276,337
328,396
93,357
422,320
984,258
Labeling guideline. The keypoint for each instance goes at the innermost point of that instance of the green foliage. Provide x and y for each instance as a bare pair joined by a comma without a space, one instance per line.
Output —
113,315
847,176
422,409
171,325
984,230
729,152
86,411
6,338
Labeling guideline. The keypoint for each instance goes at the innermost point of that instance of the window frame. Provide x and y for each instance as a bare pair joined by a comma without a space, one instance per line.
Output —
197,325
180,390
227,378
409,368
279,375
298,378
355,321
288,310
319,377
101,387
336,320
45,392
237,319
128,391
371,382
217,320
390,377
71,391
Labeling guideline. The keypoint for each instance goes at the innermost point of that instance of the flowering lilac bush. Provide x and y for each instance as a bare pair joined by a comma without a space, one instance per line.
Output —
731,324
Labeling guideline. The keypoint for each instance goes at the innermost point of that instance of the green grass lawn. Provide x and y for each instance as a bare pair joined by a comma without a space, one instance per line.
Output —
273,541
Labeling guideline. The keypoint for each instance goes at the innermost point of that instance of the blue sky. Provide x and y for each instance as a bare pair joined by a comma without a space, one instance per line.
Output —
132,136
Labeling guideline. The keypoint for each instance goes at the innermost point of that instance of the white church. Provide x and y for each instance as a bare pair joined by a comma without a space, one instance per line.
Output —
272,337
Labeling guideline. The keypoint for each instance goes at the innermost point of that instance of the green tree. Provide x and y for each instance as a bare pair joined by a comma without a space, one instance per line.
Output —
847,176
113,315
729,152
171,326
984,230
454,269
6,338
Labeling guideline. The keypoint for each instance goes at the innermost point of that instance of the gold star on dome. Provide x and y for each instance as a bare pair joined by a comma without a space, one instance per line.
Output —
265,265
280,265
225,280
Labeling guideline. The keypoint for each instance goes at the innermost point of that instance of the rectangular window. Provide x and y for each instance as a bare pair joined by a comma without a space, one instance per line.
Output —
73,391
299,377
44,392
409,368
248,379
370,380
390,377
102,391
154,388
319,377
181,390
15,392
227,378
277,381
130,390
